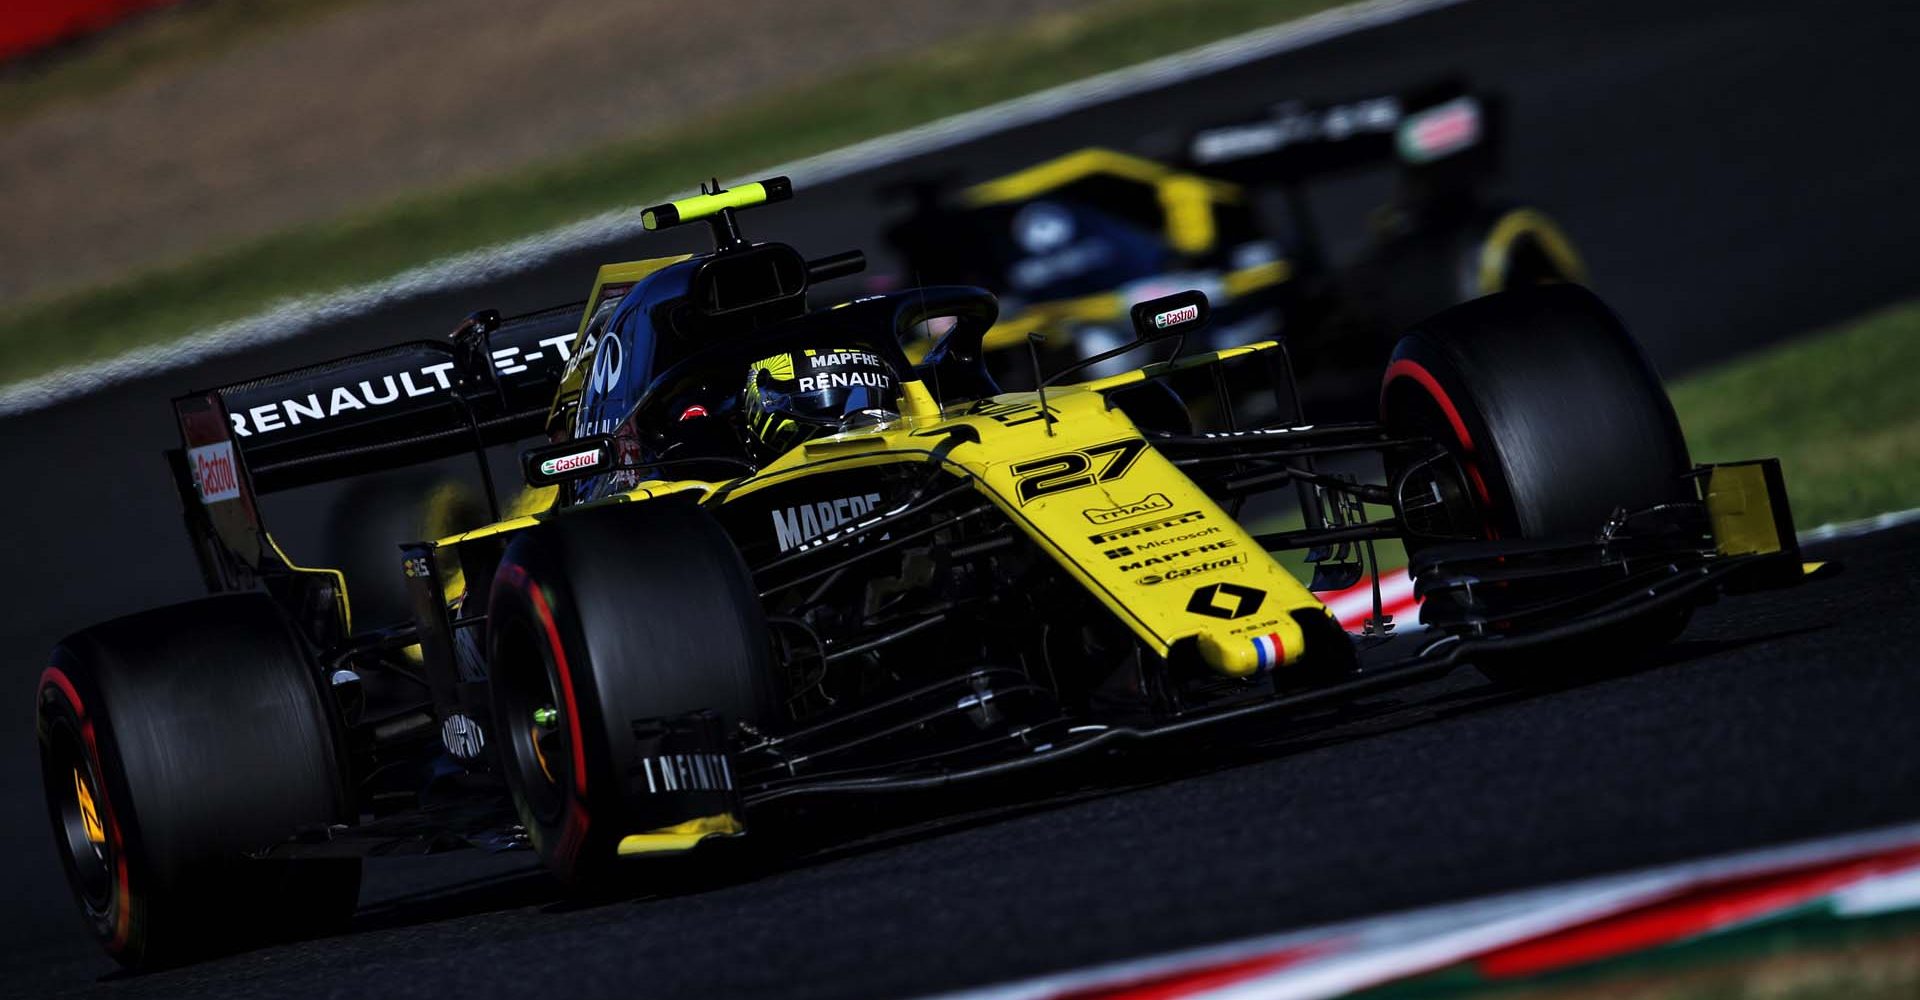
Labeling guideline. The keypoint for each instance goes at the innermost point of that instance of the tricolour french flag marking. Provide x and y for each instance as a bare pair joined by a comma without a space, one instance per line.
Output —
1269,649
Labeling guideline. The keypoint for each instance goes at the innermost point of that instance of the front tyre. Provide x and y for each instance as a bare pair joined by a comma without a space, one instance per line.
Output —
173,744
1555,420
626,643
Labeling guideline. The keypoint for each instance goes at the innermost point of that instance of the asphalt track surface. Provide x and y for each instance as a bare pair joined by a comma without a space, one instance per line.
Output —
1734,173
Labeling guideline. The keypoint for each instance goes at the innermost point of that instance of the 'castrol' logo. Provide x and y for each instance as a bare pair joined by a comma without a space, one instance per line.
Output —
214,472
570,463
1175,317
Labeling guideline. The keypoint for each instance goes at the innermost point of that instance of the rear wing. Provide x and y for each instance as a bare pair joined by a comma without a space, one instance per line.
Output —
489,383
1439,128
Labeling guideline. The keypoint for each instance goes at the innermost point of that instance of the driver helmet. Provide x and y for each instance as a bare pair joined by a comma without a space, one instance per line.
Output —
803,394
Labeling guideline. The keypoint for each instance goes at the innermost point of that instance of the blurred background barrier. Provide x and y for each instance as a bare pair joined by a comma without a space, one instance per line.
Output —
30,26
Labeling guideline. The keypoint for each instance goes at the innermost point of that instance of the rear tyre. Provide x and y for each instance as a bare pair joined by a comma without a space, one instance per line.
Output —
172,744
1556,420
621,637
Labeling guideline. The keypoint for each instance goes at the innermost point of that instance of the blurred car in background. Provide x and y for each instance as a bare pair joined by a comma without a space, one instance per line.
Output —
1070,242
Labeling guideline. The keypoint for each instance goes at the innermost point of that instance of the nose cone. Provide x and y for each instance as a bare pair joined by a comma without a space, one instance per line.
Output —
1250,650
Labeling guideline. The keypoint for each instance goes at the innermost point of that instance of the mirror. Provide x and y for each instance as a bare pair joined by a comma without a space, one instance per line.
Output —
558,463
1170,315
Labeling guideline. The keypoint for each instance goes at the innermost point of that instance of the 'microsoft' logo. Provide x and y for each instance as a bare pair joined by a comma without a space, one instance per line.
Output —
214,473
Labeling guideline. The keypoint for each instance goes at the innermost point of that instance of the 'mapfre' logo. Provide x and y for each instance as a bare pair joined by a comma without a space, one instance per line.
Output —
795,526
214,472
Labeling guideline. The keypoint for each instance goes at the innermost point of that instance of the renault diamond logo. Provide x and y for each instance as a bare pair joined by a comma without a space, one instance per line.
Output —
1225,600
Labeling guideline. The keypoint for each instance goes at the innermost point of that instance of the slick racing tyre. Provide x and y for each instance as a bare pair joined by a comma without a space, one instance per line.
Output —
1556,420
626,641
173,743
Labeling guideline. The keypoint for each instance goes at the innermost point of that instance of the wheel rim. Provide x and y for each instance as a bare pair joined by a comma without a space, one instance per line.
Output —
1438,494
536,730
80,817
1437,503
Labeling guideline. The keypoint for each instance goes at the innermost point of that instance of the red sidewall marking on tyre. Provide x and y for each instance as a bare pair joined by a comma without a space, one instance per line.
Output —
545,614
123,898
518,578
58,678
1405,368
1418,372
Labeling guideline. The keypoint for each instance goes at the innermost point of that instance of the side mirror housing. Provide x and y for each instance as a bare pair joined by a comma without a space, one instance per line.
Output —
1171,315
551,464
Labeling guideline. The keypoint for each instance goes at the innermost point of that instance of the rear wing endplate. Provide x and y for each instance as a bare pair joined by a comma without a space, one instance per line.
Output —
1440,126
490,383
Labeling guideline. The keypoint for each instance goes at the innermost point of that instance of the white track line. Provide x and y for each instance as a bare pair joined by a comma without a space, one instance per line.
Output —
1864,526
292,317
1375,949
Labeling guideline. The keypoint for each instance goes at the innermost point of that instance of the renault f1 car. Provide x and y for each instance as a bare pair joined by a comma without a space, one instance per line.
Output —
1069,244
765,558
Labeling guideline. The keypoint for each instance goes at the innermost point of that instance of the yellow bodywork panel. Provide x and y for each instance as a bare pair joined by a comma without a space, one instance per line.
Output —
1051,318
1160,368
1137,533
530,506
680,837
1063,170
1496,253
1112,512
1081,482
1247,280
341,605
1741,508
1048,317
536,502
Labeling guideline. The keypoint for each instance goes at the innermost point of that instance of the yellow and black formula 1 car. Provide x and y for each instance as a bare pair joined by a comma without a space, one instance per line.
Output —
765,558
1070,243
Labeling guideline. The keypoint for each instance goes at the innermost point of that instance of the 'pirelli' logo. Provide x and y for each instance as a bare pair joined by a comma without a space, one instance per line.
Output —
1163,524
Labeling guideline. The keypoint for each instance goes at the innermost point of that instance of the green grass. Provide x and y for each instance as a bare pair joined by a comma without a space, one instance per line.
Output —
867,101
1841,408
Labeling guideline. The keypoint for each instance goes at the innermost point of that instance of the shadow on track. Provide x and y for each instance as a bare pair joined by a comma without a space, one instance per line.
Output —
799,837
